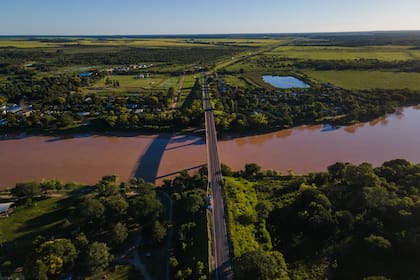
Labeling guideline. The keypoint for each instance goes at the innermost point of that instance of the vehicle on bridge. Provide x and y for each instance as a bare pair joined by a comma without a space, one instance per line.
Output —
209,203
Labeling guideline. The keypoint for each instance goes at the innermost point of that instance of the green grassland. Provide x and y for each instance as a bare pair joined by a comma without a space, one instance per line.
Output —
131,84
241,200
189,82
239,42
386,53
368,79
236,81
23,43
135,42
48,215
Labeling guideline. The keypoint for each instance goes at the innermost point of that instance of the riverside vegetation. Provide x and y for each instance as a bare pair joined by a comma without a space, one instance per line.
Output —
352,222
93,84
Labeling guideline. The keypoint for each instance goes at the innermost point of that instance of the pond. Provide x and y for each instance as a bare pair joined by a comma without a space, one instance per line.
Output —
285,82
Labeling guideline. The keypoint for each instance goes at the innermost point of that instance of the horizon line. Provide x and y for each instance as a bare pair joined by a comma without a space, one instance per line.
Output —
214,34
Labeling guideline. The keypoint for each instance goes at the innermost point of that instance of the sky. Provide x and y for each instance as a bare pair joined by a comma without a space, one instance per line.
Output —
140,17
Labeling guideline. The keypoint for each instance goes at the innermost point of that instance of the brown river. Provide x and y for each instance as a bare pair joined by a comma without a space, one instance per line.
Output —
86,158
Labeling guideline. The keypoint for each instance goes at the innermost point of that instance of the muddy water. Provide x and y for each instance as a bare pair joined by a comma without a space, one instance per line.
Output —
87,158
305,149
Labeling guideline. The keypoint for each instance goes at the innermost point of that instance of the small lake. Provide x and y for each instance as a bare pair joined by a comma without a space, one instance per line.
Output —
285,82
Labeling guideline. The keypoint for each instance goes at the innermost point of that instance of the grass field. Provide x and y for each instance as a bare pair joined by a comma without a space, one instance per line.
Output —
186,89
25,224
368,79
136,42
240,42
130,84
236,81
386,53
22,43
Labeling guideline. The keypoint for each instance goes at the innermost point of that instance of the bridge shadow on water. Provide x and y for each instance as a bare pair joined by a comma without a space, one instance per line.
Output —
147,166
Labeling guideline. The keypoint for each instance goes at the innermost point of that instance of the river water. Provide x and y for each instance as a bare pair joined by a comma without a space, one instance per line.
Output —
86,158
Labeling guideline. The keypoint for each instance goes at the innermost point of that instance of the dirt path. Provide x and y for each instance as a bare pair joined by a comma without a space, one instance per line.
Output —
136,260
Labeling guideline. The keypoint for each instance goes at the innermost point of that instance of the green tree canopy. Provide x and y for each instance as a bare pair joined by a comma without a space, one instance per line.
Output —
260,265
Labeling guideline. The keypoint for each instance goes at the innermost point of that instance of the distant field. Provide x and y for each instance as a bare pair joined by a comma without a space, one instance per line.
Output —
368,79
136,42
129,83
235,81
240,42
22,43
386,53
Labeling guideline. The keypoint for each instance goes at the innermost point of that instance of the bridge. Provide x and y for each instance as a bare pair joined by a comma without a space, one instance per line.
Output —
220,240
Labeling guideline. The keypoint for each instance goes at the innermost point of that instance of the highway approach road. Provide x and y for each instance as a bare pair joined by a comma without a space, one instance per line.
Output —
220,240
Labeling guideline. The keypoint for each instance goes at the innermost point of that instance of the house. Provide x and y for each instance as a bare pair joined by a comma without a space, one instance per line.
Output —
14,108
132,106
5,209
83,114
85,74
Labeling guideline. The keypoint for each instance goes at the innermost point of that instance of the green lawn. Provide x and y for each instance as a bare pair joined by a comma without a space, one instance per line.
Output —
21,227
387,53
367,79
16,225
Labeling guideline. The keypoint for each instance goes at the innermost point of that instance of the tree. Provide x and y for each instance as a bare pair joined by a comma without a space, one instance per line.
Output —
81,242
93,209
146,207
26,190
252,170
57,255
378,244
116,205
107,186
260,265
158,233
3,100
193,201
263,209
226,170
98,257
119,234
35,269
66,119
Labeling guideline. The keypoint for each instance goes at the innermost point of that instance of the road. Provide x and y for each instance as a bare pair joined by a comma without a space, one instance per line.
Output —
221,247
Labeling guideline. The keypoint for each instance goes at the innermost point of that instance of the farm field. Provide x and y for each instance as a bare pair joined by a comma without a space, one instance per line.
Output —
236,81
368,79
386,53
134,42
